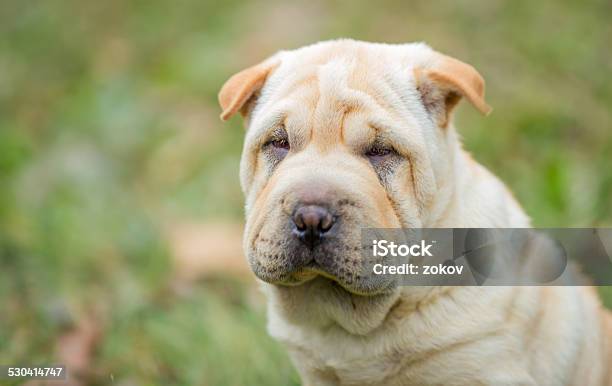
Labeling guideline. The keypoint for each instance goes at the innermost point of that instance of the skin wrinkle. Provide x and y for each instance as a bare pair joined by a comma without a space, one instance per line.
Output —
307,81
378,92
417,306
431,354
345,111
396,207
396,211
261,199
326,127
388,196
256,143
412,178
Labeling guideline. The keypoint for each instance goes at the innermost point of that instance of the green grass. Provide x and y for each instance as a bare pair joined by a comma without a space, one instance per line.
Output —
109,129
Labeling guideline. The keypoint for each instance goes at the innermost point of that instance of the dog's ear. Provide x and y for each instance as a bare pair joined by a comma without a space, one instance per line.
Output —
444,82
237,92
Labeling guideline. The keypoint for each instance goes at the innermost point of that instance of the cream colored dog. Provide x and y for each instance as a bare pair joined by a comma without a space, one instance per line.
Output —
344,135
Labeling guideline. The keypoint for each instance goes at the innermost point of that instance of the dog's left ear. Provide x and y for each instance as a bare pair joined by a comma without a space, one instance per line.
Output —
238,91
444,82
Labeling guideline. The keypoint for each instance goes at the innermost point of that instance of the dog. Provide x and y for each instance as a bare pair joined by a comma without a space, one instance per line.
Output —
344,135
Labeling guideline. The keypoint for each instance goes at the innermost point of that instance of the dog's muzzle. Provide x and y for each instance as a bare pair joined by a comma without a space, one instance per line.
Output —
313,238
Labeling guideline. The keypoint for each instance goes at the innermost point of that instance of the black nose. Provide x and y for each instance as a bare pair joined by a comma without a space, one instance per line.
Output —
312,223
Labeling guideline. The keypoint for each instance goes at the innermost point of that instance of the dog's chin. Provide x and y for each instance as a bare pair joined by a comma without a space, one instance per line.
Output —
363,287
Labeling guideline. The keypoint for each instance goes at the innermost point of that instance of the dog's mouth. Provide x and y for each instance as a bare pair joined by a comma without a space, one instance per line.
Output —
349,272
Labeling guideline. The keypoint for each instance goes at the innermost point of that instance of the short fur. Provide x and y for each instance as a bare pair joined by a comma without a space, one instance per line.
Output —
334,99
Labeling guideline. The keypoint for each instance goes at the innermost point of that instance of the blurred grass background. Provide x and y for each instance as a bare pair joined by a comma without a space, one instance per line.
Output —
109,137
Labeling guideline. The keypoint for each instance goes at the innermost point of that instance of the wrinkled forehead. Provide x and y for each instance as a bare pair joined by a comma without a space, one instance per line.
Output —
332,73
318,87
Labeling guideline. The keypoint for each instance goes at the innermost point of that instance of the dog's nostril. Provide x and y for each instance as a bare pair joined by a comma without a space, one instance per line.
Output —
326,222
298,220
311,223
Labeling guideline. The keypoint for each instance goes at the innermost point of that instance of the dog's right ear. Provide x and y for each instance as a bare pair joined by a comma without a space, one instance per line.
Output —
237,92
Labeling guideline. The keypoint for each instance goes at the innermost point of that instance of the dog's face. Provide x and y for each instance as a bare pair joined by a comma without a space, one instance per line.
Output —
342,136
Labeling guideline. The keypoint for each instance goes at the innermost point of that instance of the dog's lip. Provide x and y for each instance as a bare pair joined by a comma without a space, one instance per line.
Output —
313,270
308,272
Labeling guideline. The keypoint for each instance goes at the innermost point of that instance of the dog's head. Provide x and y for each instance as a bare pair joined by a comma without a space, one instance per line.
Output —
343,135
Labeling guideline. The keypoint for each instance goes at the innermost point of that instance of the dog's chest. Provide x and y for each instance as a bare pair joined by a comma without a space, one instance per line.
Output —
461,367
405,358
366,370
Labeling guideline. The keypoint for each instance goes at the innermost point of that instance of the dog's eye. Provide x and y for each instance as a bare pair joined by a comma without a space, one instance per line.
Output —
281,143
278,146
378,151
